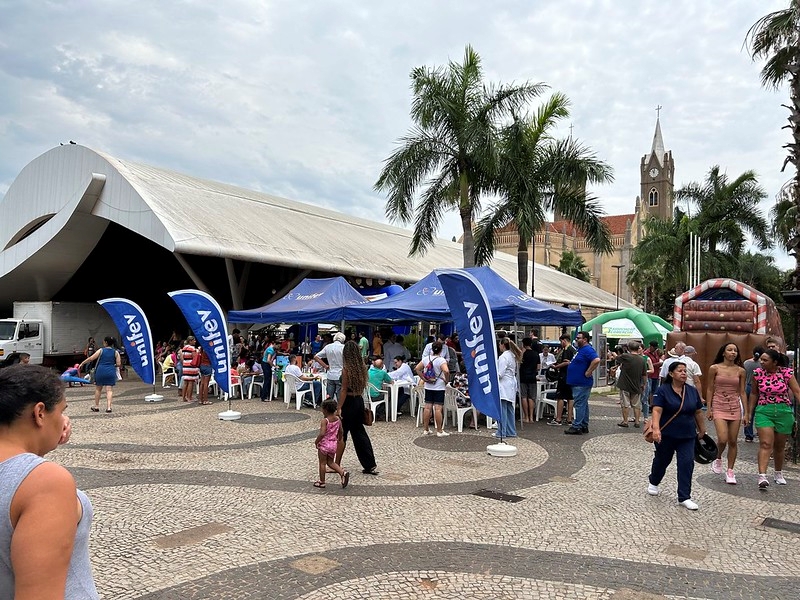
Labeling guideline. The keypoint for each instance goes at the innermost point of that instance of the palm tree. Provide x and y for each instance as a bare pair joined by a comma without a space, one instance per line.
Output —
728,210
776,38
574,265
537,173
664,249
450,151
783,215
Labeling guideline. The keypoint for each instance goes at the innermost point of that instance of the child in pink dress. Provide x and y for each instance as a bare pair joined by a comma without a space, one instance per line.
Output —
330,435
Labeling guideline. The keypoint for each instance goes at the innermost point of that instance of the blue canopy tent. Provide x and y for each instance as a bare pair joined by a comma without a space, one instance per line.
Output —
311,301
425,301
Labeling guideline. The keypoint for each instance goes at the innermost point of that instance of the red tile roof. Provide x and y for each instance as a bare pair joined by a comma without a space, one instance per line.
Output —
616,225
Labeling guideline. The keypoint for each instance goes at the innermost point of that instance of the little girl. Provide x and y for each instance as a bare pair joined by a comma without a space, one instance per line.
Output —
330,435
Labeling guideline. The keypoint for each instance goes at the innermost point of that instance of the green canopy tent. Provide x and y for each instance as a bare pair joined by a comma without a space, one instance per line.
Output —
631,323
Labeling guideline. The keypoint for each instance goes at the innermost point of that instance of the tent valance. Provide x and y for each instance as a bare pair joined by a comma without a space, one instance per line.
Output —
425,301
311,301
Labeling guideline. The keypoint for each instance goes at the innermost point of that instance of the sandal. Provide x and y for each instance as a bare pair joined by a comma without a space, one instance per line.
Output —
623,424
319,484
108,410
206,403
345,479
94,409
372,471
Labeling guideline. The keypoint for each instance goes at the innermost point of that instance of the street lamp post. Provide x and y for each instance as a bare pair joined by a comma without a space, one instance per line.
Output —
617,267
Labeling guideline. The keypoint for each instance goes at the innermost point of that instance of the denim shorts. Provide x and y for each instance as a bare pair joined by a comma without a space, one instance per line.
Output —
206,370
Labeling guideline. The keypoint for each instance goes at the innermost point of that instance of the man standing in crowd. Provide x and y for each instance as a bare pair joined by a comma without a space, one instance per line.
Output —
683,353
563,389
653,378
363,346
391,349
632,382
330,357
580,377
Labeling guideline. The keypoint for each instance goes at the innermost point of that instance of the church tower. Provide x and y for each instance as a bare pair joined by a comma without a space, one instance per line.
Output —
657,171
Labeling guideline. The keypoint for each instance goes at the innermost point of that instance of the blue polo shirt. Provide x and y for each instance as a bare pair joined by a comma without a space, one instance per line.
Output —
576,369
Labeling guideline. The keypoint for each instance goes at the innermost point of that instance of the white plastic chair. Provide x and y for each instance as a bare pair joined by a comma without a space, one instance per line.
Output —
167,373
542,400
255,380
290,389
382,398
457,412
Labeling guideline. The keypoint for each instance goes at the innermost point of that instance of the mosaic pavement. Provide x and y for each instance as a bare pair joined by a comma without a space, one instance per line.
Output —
188,506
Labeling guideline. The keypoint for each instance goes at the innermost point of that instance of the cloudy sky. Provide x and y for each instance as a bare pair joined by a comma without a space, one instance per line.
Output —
306,99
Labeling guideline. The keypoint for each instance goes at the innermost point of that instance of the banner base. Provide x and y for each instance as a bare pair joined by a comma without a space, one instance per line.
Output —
229,415
501,449
153,398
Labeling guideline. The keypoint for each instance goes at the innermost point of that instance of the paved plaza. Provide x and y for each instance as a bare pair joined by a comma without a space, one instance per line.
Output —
188,506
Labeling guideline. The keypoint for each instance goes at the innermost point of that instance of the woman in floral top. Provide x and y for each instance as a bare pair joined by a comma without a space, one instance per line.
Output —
774,418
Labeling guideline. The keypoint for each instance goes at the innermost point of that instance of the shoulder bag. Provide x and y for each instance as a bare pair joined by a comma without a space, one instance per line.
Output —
647,432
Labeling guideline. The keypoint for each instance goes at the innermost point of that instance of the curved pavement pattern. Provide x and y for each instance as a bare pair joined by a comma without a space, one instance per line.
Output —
187,506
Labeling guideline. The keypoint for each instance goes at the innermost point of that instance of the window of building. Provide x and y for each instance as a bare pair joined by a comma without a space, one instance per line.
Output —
652,199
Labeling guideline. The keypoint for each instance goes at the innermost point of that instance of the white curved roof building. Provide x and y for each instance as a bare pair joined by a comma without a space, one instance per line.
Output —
77,220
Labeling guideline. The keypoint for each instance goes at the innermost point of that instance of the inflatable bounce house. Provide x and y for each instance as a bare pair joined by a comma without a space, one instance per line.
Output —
631,323
719,311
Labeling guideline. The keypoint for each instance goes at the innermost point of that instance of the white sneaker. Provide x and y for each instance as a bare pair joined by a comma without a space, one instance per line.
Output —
763,482
730,477
689,503
716,466
779,479
653,490
442,434
426,432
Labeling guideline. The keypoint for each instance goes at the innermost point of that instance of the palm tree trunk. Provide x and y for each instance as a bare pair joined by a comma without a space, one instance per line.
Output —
533,268
468,247
522,261
794,157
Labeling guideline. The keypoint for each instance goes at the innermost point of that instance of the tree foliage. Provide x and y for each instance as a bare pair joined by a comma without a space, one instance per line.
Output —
574,265
448,158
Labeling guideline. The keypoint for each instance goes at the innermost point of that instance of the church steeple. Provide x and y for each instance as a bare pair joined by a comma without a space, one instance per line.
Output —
657,172
657,149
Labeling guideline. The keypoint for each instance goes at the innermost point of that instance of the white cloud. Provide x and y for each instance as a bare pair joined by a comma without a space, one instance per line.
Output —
307,99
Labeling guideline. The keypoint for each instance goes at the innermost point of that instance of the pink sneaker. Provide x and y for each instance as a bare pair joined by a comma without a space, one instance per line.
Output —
716,466
730,477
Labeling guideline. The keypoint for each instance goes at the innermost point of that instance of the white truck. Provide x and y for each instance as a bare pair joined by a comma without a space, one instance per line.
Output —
55,334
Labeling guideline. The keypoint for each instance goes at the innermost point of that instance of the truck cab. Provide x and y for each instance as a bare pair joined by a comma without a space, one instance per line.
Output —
18,336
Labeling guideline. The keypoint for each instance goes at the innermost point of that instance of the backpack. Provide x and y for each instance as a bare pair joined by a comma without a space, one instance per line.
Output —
429,373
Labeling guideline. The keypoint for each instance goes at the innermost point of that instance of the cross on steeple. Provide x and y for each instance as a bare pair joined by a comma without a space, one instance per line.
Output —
570,130
658,111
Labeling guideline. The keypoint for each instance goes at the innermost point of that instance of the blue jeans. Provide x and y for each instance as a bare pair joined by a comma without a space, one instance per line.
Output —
684,449
652,386
507,426
317,390
580,400
333,387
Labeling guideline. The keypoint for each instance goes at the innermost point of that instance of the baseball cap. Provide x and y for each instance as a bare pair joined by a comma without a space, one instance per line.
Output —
690,350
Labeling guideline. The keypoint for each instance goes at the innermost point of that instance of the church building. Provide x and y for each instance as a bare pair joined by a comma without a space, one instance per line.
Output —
657,180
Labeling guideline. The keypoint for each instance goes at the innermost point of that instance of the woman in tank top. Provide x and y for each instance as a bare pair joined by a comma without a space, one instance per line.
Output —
44,540
351,408
725,395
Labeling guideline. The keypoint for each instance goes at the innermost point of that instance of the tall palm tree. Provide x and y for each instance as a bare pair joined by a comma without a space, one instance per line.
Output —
776,38
783,215
727,211
449,153
537,173
663,249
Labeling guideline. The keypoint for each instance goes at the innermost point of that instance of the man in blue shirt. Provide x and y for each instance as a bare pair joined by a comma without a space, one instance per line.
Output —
579,377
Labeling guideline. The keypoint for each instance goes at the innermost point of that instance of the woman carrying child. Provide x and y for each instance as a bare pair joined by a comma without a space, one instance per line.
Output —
327,442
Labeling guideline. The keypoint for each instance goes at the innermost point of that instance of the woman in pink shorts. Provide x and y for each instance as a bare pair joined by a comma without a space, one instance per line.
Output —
726,389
